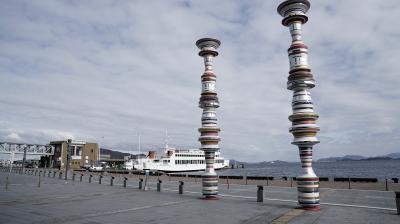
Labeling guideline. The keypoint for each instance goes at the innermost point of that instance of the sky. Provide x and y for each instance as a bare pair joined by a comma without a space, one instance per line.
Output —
111,71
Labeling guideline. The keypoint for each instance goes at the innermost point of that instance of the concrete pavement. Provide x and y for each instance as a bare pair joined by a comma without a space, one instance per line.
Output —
60,201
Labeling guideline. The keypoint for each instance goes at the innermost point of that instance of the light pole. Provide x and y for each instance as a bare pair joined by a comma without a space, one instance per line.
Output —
68,157
139,147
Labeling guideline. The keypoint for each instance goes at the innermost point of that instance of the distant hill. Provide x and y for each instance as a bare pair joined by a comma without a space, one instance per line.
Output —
235,162
395,155
113,154
343,158
358,158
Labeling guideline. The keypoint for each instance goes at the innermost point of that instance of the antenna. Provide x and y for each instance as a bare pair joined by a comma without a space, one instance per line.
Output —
139,150
166,138
139,144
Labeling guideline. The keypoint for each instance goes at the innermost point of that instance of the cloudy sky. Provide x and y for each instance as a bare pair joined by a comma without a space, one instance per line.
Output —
108,71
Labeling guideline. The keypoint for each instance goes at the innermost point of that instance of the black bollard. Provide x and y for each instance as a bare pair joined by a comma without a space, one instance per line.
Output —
81,177
112,181
181,187
140,183
349,183
125,179
90,178
100,177
386,185
6,183
39,181
260,193
159,185
73,176
48,174
398,202
54,174
60,175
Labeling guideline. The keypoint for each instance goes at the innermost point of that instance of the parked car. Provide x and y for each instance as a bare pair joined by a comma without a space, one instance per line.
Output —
96,168
31,165
86,167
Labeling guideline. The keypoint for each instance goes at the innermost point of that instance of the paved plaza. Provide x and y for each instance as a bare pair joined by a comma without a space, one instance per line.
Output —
60,201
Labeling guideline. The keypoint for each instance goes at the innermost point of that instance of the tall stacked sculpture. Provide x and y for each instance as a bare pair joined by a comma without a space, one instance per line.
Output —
300,81
209,102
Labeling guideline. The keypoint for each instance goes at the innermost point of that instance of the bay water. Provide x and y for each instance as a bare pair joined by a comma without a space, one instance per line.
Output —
380,169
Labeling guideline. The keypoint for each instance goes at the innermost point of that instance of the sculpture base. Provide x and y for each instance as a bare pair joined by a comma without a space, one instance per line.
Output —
210,197
314,209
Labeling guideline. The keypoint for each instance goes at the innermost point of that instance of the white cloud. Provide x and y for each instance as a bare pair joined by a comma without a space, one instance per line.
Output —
13,137
119,68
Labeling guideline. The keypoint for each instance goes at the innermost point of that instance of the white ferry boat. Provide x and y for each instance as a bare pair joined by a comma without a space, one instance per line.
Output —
175,160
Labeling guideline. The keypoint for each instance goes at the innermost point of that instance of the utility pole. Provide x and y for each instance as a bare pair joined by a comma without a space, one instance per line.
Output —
68,156
24,160
140,158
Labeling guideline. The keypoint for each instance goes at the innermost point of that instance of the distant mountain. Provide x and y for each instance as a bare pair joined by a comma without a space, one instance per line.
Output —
379,158
357,158
343,158
395,155
113,153
235,162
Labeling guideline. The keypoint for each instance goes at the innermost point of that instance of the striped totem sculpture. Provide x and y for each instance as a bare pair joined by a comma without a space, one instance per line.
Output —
300,81
209,102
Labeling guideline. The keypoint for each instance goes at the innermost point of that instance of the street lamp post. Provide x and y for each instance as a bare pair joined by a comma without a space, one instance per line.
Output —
68,157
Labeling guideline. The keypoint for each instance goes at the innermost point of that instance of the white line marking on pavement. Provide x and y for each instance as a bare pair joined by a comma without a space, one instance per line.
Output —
134,209
294,201
377,197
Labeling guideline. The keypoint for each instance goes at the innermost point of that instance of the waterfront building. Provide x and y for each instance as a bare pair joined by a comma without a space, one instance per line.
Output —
209,103
83,154
300,81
